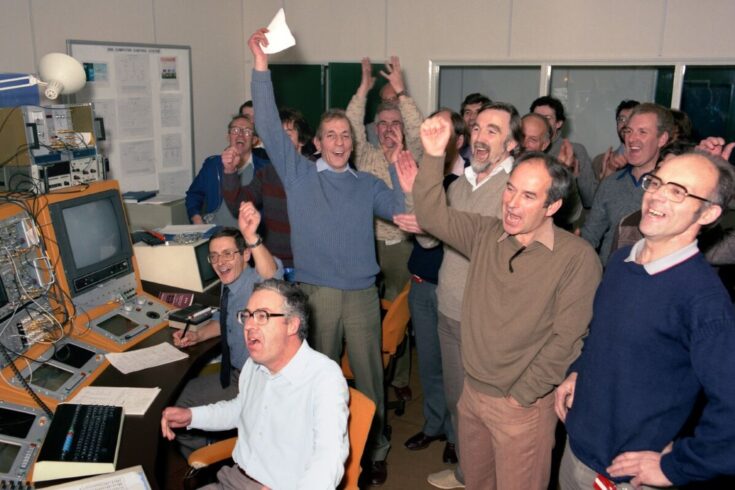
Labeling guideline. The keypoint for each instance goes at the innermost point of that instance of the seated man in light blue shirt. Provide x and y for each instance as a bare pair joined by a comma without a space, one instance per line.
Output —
291,412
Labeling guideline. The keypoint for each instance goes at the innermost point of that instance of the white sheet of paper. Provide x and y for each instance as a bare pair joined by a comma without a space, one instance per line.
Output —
179,229
128,479
138,360
135,401
279,35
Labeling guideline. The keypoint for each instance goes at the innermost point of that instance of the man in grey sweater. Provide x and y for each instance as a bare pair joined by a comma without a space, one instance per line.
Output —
331,209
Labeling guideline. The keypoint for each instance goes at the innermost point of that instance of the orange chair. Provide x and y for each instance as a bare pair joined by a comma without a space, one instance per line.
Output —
395,326
362,410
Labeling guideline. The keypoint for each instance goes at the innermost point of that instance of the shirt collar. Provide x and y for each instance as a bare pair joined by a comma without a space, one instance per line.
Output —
236,287
666,262
458,166
296,368
321,166
504,166
628,171
545,237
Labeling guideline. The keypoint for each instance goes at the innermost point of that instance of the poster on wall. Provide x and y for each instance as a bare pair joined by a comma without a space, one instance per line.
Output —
143,93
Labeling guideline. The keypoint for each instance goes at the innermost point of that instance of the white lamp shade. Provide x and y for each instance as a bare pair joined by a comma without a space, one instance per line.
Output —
63,74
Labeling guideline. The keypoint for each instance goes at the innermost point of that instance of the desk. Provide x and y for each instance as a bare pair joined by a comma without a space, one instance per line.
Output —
141,439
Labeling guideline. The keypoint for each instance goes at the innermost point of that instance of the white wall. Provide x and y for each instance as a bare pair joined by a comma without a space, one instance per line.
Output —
213,28
345,30
491,31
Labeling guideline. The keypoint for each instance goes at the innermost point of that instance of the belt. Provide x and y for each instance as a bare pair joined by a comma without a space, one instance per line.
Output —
417,279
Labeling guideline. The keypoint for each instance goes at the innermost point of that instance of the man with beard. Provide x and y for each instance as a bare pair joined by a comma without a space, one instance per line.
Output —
494,137
204,201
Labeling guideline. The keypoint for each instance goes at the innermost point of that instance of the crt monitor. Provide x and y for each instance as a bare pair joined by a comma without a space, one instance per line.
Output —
93,241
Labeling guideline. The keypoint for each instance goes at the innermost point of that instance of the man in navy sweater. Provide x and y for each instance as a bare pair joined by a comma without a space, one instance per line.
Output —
662,335
331,209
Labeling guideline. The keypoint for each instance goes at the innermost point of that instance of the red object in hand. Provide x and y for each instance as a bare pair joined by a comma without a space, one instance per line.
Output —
602,483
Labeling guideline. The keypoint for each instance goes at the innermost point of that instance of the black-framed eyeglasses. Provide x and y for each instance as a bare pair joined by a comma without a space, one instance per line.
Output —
674,192
226,256
260,316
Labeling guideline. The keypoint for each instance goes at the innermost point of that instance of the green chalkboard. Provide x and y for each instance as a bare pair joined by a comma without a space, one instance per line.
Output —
300,87
343,80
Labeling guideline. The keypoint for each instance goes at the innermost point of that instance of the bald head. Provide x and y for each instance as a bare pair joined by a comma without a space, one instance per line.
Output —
388,94
684,194
536,132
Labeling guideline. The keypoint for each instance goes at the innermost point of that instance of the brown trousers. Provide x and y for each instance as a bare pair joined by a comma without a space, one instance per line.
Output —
504,446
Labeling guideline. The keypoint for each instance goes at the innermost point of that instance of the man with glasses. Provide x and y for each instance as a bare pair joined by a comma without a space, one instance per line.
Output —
397,122
660,349
204,201
229,253
291,411
648,130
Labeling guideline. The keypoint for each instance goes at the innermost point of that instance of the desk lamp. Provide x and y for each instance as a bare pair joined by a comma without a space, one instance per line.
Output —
59,73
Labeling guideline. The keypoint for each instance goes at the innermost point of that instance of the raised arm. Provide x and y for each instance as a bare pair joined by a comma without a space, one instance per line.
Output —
457,229
289,164
356,114
248,221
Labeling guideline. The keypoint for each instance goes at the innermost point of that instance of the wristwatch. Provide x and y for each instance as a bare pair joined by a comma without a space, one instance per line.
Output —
257,242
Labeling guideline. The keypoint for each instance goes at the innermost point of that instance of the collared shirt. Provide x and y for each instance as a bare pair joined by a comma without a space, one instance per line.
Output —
666,262
321,166
628,171
545,237
504,166
291,425
458,166
240,291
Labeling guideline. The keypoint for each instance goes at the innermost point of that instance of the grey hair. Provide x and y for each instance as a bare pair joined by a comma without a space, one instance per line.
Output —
295,302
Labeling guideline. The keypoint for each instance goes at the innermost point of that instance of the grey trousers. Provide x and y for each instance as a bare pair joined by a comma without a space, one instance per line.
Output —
575,475
352,317
450,343
230,478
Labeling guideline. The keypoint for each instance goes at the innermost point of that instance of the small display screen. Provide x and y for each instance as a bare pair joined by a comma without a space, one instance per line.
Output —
118,325
94,234
14,423
49,377
73,355
8,453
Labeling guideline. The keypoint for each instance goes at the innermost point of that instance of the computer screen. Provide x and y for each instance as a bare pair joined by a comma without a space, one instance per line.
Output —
92,237
93,232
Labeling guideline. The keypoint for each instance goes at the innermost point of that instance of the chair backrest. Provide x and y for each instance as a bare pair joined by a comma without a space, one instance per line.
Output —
362,410
394,328
395,323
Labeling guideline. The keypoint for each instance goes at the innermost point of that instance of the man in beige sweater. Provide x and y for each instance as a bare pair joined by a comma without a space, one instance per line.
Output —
525,310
